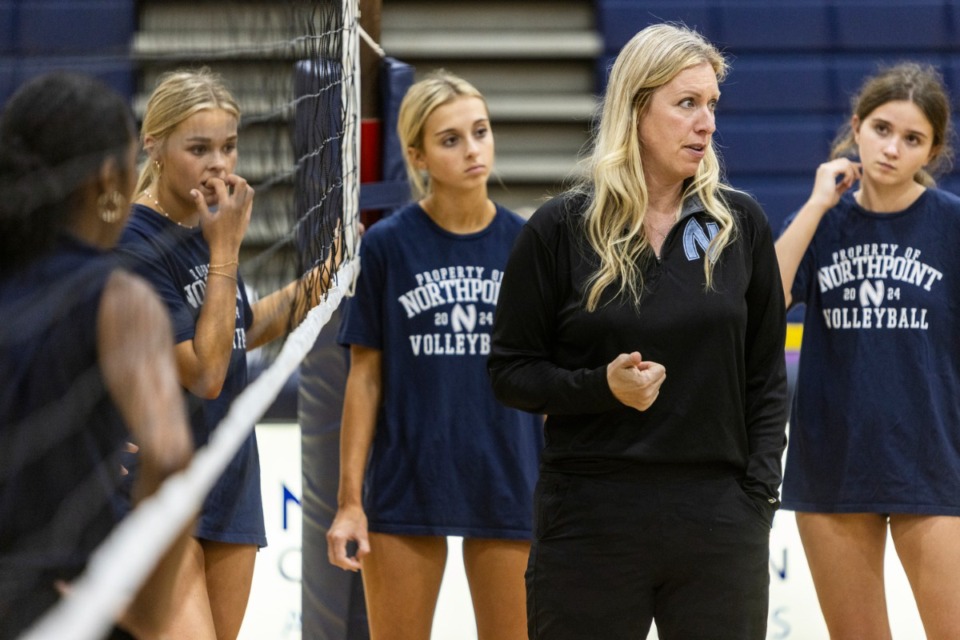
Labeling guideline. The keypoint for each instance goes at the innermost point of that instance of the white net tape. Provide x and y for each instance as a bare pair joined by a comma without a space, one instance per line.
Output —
121,564
124,560
351,133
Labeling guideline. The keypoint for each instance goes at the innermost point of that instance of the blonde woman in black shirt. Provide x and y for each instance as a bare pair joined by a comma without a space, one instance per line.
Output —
643,313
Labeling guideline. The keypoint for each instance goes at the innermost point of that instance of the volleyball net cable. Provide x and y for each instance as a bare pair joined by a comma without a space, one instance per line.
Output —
311,189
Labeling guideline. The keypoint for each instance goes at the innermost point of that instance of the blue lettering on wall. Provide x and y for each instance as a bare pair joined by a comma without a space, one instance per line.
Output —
290,564
779,626
782,569
288,497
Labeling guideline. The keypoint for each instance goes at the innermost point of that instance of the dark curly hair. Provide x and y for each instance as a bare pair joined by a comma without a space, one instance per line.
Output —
55,133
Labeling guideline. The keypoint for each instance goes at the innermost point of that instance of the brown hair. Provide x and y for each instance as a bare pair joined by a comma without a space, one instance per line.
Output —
920,84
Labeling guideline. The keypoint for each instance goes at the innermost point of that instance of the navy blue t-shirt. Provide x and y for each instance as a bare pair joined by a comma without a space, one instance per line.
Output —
60,433
447,458
175,261
874,424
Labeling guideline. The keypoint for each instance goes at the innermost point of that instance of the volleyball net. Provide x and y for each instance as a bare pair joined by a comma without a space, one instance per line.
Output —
294,68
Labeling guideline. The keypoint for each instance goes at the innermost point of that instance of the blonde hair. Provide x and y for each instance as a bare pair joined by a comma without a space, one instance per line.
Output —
179,95
920,84
619,198
422,99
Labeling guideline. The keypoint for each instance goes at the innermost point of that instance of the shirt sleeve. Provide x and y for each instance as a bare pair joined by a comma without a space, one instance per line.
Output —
148,263
520,364
363,312
766,383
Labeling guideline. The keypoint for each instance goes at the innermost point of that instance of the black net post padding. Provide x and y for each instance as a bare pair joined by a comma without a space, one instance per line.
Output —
331,599
393,190
395,79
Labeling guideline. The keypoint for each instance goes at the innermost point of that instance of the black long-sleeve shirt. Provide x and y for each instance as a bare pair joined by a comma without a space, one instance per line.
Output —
724,399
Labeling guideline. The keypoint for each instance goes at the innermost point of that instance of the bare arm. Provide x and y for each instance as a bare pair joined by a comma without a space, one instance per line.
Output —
202,362
361,402
832,180
135,349
275,313
271,316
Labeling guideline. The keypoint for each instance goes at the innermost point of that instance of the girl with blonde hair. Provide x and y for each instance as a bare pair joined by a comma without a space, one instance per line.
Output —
426,450
189,218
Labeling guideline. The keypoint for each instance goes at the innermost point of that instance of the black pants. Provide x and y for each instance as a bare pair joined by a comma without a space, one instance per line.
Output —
683,546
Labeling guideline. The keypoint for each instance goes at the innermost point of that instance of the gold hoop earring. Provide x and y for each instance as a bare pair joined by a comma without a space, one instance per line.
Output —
110,206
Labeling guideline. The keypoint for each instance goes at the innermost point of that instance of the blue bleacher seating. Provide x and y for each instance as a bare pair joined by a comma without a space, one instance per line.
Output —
780,197
8,34
8,79
91,36
393,191
118,72
774,145
76,26
896,26
793,25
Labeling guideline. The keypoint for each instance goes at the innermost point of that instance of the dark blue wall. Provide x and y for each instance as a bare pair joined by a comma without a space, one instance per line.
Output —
82,35
795,64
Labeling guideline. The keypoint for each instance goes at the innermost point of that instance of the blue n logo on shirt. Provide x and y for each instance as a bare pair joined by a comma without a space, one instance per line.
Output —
695,236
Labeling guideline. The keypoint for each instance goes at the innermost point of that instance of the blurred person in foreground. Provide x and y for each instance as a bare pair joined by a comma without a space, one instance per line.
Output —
86,357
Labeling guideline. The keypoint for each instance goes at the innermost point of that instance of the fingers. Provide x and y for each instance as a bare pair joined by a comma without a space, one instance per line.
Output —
832,180
201,203
240,191
339,538
232,193
635,382
337,553
652,373
363,548
224,215
626,361
841,172
848,172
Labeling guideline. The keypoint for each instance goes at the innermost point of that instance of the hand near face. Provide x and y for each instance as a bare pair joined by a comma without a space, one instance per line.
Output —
634,381
833,179
224,228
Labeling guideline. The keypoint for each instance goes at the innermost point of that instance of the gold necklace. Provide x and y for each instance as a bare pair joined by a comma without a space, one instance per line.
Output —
159,209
